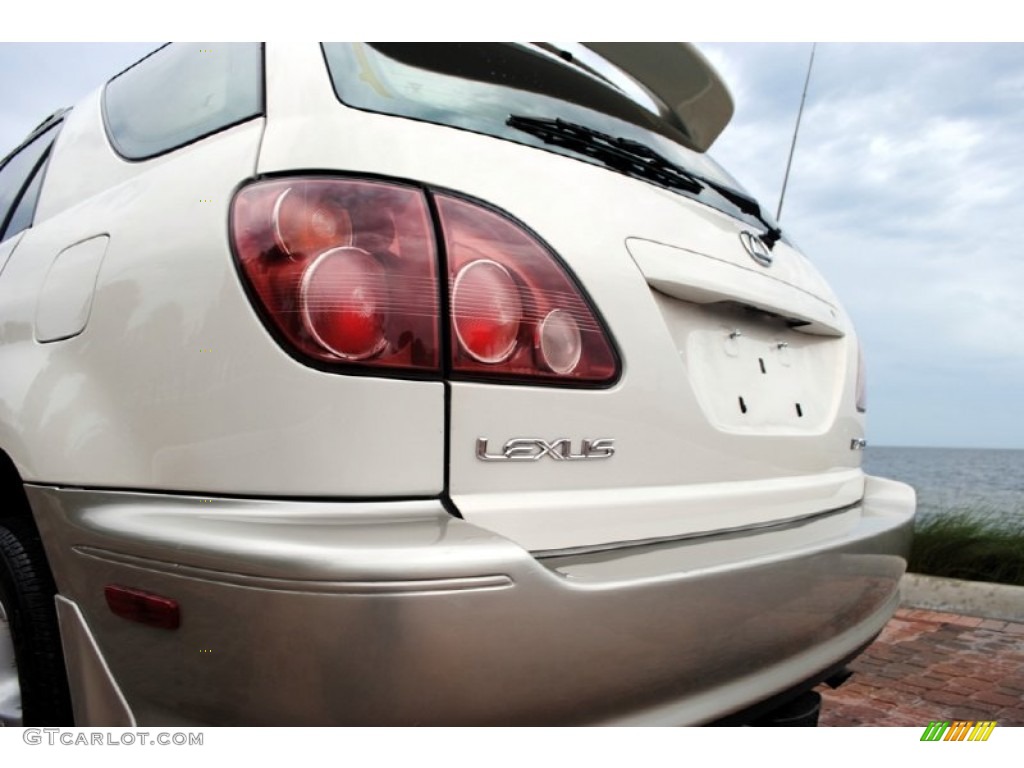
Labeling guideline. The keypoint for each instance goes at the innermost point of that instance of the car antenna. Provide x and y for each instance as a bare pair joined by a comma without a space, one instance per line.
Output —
796,130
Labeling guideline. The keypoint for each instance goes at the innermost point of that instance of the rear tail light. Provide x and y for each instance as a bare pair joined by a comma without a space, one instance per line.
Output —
516,313
345,272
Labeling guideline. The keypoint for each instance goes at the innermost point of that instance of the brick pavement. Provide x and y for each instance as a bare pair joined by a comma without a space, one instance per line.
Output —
934,666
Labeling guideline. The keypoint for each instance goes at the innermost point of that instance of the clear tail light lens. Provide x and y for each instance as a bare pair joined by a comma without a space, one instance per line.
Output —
344,270
559,341
487,311
516,313
309,223
344,298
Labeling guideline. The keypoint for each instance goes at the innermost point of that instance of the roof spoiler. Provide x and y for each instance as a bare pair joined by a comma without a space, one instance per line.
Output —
679,76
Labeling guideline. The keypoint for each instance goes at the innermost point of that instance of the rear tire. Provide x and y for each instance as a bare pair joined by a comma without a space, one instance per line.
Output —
33,681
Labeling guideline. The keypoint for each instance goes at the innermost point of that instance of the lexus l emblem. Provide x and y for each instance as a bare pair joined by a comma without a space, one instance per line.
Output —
756,248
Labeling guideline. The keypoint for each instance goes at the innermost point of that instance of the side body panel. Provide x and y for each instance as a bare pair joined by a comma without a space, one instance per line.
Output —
174,383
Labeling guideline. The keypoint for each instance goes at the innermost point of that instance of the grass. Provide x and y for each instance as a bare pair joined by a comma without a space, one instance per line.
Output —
969,544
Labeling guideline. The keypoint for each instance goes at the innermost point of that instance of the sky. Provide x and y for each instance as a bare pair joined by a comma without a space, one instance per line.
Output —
905,192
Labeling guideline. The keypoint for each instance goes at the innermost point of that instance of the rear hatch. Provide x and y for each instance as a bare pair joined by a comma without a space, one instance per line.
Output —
733,406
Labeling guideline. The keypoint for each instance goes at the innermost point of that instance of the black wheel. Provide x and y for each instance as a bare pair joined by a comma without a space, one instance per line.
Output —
33,683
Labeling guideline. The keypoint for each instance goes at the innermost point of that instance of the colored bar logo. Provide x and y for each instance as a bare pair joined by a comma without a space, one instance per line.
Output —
958,730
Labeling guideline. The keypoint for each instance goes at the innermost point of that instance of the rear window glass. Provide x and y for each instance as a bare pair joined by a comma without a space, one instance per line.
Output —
180,93
478,86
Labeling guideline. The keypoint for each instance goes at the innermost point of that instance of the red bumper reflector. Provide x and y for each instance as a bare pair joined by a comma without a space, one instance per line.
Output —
143,607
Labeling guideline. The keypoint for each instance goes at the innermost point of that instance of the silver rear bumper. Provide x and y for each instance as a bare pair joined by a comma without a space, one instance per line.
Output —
317,613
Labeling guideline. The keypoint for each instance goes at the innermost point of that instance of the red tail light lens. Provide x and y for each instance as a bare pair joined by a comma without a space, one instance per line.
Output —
345,270
516,313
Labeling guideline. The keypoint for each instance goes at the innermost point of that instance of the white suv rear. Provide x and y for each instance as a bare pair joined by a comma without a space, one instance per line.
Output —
420,384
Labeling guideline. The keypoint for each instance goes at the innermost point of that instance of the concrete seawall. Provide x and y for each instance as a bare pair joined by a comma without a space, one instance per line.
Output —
968,598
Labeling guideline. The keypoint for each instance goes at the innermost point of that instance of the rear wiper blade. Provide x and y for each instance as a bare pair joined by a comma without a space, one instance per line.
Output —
621,154
634,157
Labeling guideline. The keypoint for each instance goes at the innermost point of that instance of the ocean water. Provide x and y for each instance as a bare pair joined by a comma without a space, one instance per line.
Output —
988,480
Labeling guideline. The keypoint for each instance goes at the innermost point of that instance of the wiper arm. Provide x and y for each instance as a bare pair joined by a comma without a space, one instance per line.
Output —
750,207
620,154
634,157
